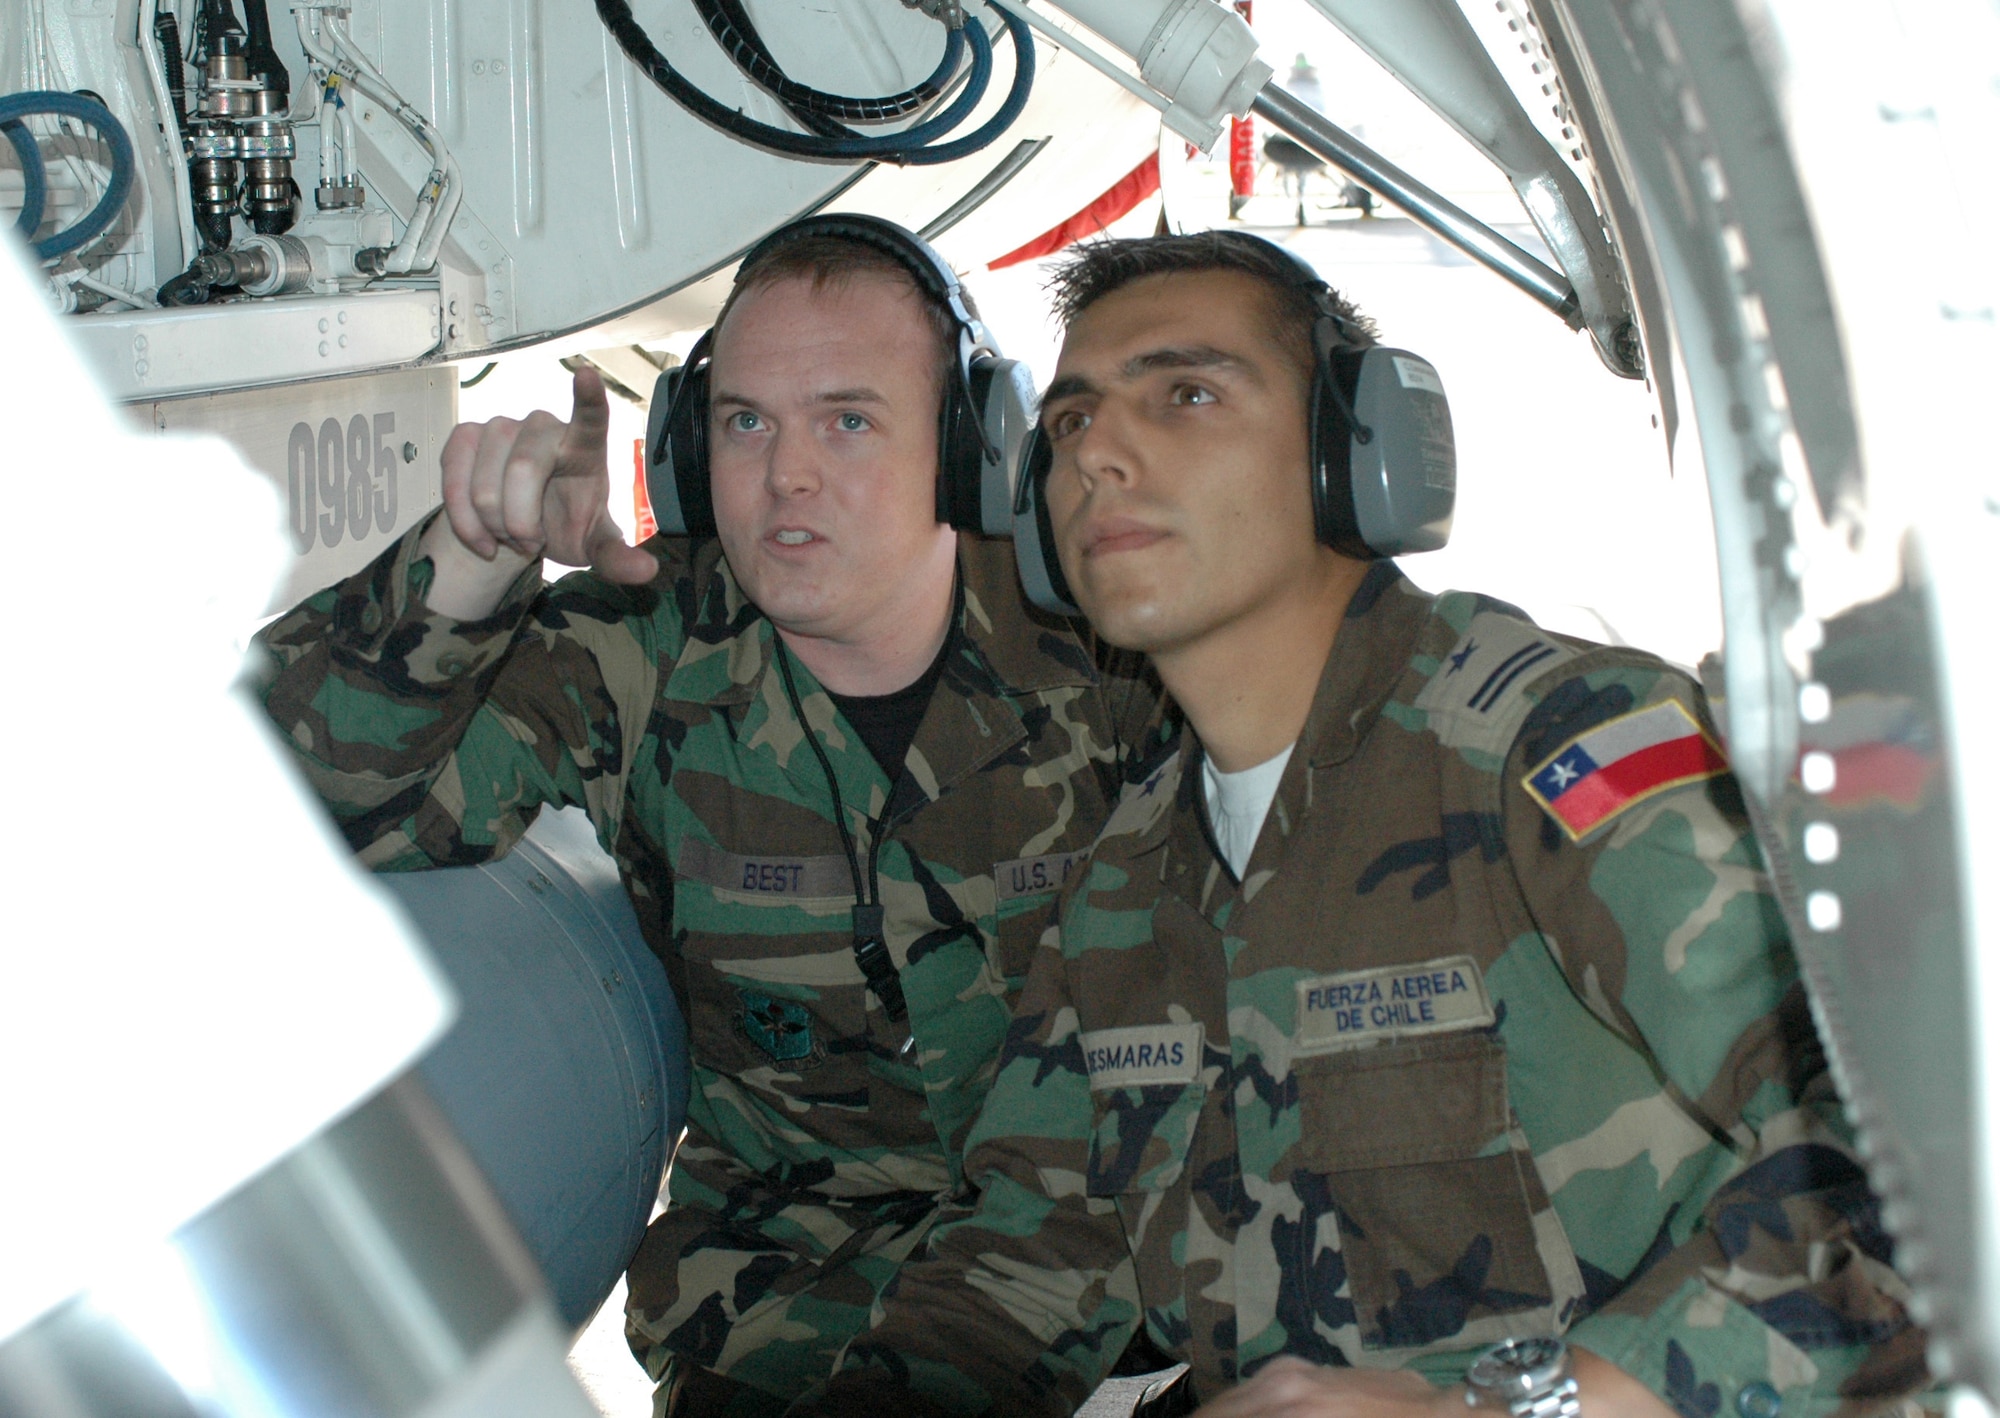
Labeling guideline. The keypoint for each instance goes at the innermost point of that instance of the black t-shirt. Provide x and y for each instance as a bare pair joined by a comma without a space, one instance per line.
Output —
888,723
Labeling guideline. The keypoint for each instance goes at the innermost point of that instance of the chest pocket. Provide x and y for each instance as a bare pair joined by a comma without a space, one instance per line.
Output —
1024,892
775,999
1139,1137
1447,1236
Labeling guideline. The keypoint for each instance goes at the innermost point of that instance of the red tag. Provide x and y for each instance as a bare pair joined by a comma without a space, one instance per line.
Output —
643,520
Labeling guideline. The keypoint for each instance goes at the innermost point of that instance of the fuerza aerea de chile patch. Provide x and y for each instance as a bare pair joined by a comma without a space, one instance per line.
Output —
1362,1007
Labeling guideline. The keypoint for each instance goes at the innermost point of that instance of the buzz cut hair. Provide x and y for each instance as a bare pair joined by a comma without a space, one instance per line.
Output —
830,262
1094,269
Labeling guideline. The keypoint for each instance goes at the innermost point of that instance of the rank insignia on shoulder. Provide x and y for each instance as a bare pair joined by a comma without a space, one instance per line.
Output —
1598,774
1477,694
782,1028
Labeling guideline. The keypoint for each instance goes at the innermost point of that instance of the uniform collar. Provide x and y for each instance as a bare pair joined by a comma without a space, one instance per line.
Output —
1002,650
1024,650
728,641
1370,655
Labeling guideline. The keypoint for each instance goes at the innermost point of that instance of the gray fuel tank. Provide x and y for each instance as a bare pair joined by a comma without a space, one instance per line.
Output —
566,1074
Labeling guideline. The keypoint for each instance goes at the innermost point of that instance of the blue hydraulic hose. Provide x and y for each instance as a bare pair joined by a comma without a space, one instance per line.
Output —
909,144
897,146
124,163
1003,119
34,177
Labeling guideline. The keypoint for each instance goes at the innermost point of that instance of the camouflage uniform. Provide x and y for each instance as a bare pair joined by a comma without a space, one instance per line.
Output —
817,1150
1434,1074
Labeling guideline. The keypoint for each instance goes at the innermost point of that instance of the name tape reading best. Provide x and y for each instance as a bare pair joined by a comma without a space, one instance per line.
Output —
765,878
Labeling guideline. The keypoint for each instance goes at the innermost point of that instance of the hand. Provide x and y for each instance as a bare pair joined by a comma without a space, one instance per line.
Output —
1289,1387
516,490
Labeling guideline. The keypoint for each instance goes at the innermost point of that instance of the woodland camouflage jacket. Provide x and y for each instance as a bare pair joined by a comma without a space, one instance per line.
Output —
818,1148
1439,1071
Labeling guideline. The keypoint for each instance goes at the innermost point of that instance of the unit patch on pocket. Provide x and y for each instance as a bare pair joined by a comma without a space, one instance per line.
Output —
782,1028
1363,1007
1030,876
1141,1055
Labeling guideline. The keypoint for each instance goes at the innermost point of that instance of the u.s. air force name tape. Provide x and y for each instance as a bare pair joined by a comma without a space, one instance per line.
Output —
828,878
1031,876
1390,1002
1142,1054
785,878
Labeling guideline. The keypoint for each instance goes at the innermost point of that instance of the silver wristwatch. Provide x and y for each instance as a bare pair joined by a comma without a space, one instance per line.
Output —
1529,1378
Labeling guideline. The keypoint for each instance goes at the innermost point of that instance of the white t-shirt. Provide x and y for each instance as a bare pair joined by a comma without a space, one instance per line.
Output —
1238,804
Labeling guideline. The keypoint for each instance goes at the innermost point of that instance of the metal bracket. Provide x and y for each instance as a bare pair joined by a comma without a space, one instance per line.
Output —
1212,61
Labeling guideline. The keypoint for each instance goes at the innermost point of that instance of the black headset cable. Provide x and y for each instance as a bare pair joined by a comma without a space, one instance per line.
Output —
871,948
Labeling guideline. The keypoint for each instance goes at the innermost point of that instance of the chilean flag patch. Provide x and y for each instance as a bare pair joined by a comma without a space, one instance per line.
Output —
1597,775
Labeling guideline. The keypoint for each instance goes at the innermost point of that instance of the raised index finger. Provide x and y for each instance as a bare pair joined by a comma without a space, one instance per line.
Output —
590,410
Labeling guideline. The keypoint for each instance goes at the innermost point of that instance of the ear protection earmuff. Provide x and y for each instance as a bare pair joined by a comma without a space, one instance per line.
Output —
985,419
1382,462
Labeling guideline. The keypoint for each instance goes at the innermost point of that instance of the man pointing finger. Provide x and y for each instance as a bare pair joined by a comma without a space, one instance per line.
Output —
528,488
842,766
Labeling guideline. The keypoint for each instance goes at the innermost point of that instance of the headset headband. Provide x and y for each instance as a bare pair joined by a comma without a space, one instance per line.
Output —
910,251
916,256
1301,276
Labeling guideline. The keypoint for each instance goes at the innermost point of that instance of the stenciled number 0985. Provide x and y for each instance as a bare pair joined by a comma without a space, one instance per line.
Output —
341,482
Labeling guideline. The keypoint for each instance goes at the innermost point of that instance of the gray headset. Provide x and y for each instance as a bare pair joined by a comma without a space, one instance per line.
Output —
985,419
1383,462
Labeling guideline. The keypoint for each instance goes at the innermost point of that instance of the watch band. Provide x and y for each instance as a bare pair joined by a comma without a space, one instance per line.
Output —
1530,1378
1562,1401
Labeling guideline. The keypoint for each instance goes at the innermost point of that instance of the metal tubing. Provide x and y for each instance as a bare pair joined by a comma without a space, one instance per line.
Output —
1432,49
1004,172
1305,126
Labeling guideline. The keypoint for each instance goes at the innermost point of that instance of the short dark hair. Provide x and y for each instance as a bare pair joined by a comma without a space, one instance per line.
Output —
834,260
1094,269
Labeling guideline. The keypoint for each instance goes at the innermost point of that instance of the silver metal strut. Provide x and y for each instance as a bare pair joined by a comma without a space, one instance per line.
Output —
1305,126
1433,51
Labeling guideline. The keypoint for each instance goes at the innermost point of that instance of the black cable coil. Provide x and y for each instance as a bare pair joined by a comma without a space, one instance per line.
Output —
826,142
737,34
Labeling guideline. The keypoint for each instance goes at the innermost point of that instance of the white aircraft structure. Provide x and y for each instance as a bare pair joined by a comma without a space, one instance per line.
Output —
254,1166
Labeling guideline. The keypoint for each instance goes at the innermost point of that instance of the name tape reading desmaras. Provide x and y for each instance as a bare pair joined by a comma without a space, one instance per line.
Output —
1142,1054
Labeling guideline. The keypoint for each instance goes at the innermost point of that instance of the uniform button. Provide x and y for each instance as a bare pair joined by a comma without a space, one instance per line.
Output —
452,666
371,618
1758,1400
